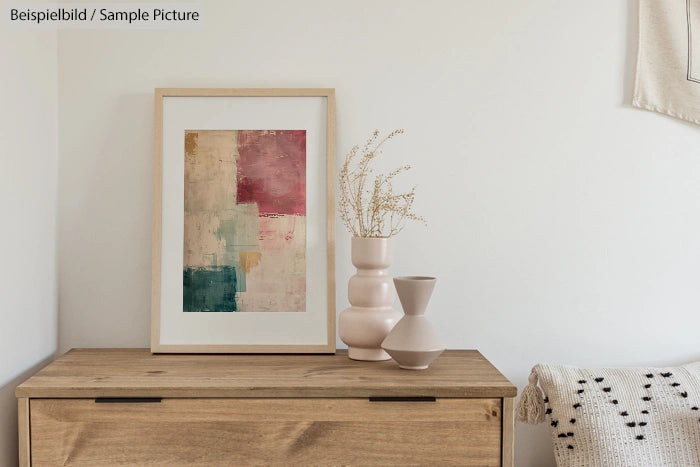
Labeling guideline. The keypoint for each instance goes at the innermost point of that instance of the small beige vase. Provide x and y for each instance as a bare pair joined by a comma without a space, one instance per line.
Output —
368,321
413,342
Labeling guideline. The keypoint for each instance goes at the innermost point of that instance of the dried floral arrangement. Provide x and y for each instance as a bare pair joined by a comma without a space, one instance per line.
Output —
368,205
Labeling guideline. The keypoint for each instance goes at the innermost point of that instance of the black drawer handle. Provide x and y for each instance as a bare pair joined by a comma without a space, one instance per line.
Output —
129,400
402,399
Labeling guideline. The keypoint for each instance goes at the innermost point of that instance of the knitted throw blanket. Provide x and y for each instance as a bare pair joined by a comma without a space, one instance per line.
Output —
618,416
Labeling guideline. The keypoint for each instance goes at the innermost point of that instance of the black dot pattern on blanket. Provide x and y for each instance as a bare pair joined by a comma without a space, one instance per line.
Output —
649,392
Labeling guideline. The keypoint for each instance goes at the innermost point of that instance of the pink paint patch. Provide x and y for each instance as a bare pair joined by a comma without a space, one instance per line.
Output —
272,171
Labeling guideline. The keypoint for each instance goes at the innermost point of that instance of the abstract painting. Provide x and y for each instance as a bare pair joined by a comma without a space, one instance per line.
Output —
244,221
243,257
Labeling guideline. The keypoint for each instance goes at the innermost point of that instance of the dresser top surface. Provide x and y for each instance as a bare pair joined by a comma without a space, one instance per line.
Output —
139,373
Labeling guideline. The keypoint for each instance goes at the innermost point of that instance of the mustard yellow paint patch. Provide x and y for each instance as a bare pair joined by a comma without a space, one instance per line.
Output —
191,138
249,259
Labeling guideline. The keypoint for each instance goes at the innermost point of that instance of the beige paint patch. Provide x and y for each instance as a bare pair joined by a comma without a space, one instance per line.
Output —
279,281
211,210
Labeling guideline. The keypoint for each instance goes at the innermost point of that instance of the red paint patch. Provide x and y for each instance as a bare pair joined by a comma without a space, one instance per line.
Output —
272,171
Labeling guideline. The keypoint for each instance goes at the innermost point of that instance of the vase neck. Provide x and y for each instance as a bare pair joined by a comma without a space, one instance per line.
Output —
371,253
414,312
414,293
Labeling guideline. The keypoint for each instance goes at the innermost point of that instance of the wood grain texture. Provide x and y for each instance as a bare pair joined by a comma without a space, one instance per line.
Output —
93,373
159,96
264,432
24,433
508,437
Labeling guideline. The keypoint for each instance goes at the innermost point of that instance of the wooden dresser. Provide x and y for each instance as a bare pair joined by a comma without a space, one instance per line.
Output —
95,407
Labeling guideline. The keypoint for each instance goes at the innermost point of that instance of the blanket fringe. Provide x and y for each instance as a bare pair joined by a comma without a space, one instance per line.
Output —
531,405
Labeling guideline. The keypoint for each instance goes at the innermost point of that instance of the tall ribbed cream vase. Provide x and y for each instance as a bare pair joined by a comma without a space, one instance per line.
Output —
371,294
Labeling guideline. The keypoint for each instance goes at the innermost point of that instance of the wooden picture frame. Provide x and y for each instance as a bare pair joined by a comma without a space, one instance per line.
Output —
243,256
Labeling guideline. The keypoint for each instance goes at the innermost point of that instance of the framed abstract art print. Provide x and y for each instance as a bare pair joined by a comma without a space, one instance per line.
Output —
243,215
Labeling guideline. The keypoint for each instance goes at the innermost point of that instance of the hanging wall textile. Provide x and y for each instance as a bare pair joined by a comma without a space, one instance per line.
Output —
668,63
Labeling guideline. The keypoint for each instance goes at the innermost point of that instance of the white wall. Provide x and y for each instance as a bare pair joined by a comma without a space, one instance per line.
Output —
28,178
563,224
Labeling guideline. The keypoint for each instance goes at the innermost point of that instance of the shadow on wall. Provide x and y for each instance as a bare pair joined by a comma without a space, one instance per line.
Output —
101,195
8,415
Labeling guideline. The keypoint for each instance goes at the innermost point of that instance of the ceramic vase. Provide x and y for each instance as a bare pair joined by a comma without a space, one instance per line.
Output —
413,342
371,293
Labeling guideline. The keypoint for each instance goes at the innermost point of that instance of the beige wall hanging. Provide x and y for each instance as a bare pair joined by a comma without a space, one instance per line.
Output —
668,63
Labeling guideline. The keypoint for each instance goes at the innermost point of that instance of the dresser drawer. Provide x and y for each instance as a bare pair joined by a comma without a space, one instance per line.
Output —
448,431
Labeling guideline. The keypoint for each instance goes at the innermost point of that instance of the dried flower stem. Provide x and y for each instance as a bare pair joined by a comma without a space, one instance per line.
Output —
370,208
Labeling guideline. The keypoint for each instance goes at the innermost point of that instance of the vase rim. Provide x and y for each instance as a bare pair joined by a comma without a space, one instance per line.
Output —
415,278
370,238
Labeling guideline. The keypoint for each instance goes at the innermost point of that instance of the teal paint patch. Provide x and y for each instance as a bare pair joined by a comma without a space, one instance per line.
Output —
240,280
211,289
227,232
